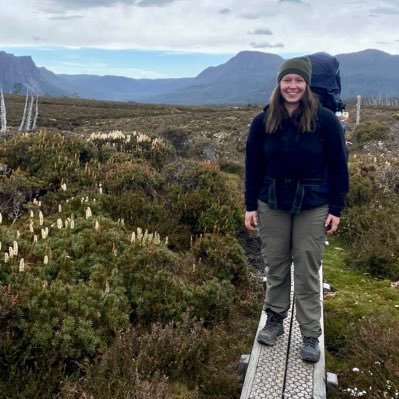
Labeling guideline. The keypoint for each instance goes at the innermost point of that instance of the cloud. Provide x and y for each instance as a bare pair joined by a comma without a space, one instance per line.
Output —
265,31
59,5
266,45
292,1
56,6
385,10
66,17
154,3
201,27
250,16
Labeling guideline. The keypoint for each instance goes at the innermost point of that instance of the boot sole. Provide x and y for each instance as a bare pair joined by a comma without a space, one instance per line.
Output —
309,357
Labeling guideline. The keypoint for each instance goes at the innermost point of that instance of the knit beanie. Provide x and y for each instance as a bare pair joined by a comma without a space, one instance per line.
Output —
299,65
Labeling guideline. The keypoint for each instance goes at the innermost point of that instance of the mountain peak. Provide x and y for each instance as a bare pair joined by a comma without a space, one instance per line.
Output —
244,63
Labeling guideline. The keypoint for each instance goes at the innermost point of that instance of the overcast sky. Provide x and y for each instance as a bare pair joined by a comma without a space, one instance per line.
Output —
176,38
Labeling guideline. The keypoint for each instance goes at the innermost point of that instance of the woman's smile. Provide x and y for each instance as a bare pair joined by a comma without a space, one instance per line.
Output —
292,88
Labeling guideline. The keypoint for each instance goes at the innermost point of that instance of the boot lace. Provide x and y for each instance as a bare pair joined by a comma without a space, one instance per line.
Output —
272,324
310,341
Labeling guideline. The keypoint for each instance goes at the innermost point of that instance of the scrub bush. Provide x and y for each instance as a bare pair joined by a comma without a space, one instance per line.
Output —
373,351
207,198
135,176
233,167
374,237
370,131
363,181
179,138
15,190
213,301
221,257
156,296
149,364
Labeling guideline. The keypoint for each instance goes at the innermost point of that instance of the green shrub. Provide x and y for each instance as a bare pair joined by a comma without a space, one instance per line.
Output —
362,189
148,365
178,350
70,321
119,177
179,138
155,296
16,190
206,197
374,236
213,301
373,350
140,145
221,257
370,131
139,210
233,167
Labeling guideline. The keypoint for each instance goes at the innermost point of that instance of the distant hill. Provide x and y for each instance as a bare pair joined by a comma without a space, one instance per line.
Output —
369,73
248,77
119,88
17,74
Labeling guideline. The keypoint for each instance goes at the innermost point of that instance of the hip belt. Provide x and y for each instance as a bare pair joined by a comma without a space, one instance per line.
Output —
299,191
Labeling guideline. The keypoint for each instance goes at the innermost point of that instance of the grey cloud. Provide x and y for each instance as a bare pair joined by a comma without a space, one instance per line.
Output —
154,3
225,11
265,31
266,45
66,17
57,6
385,10
292,1
250,16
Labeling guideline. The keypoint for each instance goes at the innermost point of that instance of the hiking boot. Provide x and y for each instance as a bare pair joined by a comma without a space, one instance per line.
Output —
272,329
310,350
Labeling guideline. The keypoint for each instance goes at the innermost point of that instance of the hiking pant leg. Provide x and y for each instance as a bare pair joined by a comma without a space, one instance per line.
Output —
308,243
275,234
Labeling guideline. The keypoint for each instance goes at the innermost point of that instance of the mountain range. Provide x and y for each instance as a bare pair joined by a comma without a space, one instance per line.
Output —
247,78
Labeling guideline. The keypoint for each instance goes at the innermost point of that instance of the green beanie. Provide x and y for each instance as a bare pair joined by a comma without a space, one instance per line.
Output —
299,65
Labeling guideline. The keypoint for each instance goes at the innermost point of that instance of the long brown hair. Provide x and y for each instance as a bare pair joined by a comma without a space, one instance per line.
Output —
304,116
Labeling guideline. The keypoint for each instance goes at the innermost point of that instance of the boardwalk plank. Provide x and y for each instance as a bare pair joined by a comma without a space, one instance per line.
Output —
278,371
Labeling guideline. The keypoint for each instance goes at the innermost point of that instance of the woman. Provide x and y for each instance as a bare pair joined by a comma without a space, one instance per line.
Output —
295,188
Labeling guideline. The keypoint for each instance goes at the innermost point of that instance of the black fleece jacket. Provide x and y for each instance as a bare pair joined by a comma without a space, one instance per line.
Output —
288,155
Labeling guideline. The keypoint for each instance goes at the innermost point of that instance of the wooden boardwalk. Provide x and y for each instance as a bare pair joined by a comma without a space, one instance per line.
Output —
278,372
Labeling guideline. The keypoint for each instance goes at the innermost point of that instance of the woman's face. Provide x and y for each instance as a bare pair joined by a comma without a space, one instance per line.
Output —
292,88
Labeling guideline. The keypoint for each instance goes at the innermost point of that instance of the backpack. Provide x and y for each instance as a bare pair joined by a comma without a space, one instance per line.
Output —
326,81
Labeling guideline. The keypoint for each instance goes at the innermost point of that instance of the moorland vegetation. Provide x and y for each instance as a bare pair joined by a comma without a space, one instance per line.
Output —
125,271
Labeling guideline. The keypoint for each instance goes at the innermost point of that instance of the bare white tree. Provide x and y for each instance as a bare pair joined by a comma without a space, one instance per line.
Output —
28,123
3,113
29,114
22,125
36,113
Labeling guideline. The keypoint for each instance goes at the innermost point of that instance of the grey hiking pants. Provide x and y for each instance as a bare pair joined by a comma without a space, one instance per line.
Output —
298,239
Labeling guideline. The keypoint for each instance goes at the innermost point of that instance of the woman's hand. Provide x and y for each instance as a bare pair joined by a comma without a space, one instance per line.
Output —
251,221
331,224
